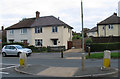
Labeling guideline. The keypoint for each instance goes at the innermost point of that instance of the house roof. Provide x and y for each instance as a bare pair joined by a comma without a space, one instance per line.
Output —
113,19
94,29
41,21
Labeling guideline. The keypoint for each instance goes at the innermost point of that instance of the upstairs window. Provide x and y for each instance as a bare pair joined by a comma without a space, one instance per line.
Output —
110,26
38,29
54,29
103,27
68,30
24,31
11,32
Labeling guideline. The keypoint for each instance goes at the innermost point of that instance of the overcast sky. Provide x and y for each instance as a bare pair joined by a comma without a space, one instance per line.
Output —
12,11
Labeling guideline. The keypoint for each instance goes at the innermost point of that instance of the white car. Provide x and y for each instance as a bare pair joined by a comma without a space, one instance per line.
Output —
15,50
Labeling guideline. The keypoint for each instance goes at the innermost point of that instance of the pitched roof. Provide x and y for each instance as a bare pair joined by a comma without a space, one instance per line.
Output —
94,29
25,23
114,19
41,21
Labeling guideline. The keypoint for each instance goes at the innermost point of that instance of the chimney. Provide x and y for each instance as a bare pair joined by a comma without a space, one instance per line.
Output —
58,18
37,14
2,28
115,14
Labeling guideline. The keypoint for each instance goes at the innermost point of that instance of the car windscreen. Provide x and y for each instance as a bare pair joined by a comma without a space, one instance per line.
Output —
19,47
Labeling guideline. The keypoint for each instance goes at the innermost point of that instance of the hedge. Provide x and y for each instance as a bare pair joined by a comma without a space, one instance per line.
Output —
104,46
15,43
37,49
101,55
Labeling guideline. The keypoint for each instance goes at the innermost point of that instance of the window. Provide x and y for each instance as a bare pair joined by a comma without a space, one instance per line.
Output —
7,47
103,27
38,42
24,30
110,26
68,30
12,47
11,32
38,29
24,41
11,40
55,29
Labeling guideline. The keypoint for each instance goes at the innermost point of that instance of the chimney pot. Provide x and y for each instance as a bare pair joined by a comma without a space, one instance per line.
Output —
115,14
58,18
37,14
2,28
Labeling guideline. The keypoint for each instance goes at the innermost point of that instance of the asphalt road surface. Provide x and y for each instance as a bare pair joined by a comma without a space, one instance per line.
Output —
48,59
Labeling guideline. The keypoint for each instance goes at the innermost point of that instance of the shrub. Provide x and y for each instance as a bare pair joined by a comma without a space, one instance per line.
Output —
15,43
101,55
88,40
37,49
105,46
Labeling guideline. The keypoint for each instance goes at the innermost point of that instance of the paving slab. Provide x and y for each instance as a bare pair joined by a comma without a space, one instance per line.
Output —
59,71
40,70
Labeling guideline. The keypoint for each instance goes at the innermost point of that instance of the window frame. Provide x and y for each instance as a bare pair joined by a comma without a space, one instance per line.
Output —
24,41
11,40
24,31
38,30
103,27
110,26
11,32
54,29
39,42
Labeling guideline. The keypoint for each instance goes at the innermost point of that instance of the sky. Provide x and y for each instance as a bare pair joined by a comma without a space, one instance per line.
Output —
69,11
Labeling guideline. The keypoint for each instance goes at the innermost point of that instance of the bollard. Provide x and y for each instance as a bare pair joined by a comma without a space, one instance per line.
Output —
61,53
23,60
83,60
88,51
107,57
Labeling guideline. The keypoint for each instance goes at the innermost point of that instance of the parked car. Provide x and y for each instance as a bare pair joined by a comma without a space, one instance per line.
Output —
15,50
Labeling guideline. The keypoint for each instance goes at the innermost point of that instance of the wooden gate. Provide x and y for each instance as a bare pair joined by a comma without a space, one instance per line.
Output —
77,43
70,44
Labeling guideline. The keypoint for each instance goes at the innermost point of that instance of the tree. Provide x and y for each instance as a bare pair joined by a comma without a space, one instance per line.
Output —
76,36
85,31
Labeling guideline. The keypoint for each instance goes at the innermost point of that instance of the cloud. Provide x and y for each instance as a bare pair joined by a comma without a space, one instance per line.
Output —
11,11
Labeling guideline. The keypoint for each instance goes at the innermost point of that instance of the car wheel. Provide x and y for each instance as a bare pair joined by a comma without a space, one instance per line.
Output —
18,54
3,54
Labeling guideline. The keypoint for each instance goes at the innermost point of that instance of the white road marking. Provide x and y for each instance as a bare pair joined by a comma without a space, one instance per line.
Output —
7,64
7,67
4,73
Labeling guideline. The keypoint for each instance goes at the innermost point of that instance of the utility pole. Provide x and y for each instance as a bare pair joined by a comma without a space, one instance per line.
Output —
82,25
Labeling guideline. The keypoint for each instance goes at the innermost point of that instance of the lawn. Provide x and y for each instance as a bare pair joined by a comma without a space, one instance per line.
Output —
101,55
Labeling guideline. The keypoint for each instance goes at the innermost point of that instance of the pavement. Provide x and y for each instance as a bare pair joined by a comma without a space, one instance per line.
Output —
50,71
73,50
53,71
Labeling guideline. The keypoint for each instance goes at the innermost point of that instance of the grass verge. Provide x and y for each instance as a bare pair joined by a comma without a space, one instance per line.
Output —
101,55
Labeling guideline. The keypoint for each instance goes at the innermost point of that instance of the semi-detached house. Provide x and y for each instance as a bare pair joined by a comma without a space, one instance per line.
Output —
109,27
40,31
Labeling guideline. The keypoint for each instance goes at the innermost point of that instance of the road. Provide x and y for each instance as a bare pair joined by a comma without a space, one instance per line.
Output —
49,59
